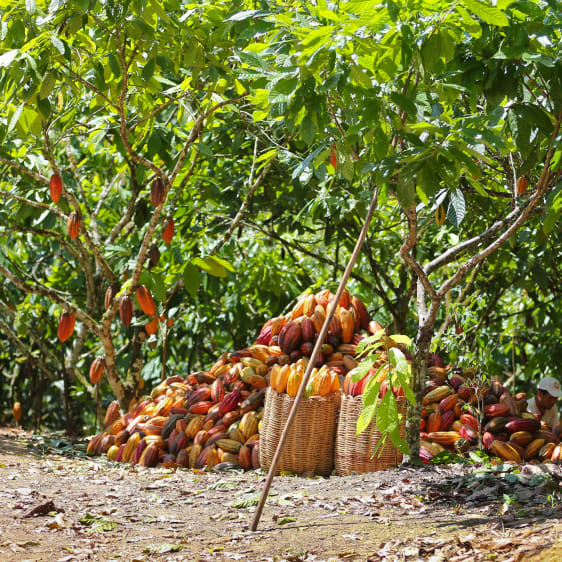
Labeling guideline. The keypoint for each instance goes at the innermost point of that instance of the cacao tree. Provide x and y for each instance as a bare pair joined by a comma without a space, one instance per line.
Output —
446,107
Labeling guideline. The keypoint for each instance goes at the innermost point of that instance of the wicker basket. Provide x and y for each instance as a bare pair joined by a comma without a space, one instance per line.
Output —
353,453
309,447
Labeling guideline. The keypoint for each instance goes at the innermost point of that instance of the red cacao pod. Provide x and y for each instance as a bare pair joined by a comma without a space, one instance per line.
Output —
126,310
96,369
66,326
55,188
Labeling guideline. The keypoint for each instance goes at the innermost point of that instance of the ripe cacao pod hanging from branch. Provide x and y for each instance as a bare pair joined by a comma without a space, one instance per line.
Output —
66,326
55,188
126,310
168,232
96,369
522,184
145,300
73,225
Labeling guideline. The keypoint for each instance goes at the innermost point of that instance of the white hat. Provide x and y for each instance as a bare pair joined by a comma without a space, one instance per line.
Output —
551,385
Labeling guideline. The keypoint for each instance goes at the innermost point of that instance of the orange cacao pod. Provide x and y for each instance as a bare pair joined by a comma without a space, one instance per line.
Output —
347,324
361,313
152,326
16,411
345,299
522,184
434,421
168,232
126,310
66,326
55,188
96,369
145,300
73,225
309,305
112,413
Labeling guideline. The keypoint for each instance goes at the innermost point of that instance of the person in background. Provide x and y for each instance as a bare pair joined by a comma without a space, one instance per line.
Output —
544,403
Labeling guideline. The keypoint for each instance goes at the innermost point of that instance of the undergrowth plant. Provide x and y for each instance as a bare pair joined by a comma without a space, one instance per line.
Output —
385,362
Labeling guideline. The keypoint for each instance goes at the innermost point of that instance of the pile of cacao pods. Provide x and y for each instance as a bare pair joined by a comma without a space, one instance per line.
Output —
212,418
457,414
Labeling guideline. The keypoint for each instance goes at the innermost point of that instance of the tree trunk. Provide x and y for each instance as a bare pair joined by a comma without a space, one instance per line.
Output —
419,367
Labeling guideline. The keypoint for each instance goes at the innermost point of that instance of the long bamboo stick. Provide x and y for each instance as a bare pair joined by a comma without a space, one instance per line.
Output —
312,360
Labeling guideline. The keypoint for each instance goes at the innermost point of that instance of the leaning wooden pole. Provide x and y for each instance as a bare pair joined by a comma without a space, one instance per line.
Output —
312,360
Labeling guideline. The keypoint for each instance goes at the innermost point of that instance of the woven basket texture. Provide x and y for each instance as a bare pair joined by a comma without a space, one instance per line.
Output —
353,453
309,448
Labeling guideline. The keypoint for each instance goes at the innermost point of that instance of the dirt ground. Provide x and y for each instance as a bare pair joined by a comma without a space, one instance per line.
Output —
62,506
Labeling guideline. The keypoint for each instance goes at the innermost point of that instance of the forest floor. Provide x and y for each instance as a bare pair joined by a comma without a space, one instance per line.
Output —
59,505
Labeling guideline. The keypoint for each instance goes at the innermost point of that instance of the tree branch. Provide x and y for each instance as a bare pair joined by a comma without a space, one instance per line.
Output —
52,295
523,215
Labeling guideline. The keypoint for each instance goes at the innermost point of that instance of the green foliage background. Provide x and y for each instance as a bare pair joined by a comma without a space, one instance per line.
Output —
239,107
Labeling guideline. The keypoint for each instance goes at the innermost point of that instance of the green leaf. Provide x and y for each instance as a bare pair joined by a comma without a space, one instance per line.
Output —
406,192
114,65
398,360
404,103
211,266
47,85
30,7
158,287
191,279
487,12
401,338
308,130
148,70
362,369
285,520
8,57
57,44
457,207
15,117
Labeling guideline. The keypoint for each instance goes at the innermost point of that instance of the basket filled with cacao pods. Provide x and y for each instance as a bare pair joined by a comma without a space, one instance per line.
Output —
309,447
357,454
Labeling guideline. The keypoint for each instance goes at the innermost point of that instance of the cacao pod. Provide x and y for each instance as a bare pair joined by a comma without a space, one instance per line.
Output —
496,410
73,225
157,192
110,293
361,313
145,300
55,188
168,232
153,256
126,310
522,184
532,448
151,327
523,424
66,326
16,411
96,369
